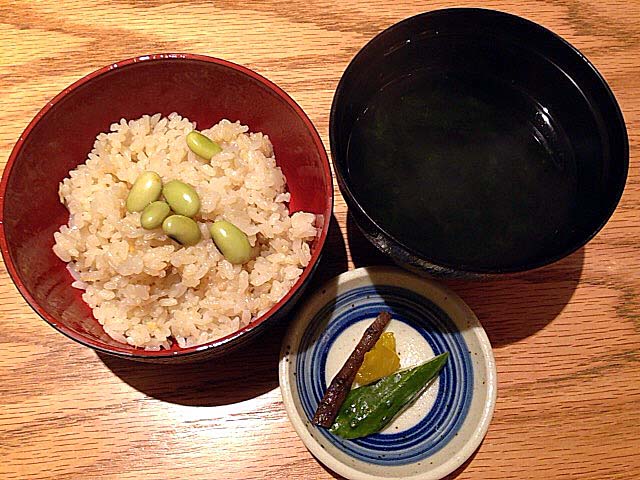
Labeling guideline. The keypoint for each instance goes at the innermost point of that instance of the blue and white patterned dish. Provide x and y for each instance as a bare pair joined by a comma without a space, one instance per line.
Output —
444,426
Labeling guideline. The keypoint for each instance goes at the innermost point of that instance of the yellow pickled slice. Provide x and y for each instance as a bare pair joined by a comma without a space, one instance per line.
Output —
387,340
380,361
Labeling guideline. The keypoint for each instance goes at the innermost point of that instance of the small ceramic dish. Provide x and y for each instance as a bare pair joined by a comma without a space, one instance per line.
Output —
445,425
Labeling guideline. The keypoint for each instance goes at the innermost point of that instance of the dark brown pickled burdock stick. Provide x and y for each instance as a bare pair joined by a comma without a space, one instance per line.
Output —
341,384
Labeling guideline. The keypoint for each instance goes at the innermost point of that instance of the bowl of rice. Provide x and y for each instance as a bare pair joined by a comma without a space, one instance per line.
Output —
82,260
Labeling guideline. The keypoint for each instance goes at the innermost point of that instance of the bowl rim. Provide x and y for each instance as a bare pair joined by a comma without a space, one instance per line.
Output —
440,266
129,351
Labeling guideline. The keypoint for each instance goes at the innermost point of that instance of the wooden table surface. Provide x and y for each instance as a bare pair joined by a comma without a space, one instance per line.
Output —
566,338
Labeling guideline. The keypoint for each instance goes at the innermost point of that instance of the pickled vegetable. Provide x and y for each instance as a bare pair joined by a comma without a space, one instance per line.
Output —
380,361
368,409
338,389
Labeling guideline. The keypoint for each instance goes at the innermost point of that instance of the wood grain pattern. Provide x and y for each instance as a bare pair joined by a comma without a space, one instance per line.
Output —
566,338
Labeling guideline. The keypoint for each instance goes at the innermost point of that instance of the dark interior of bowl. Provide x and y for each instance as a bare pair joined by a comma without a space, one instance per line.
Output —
477,141
203,91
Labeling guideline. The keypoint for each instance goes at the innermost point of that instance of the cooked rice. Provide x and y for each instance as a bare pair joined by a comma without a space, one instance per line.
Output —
145,289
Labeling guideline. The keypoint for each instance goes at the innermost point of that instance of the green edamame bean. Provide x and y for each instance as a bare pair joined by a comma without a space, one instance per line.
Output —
231,241
182,198
182,229
154,214
202,145
145,190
